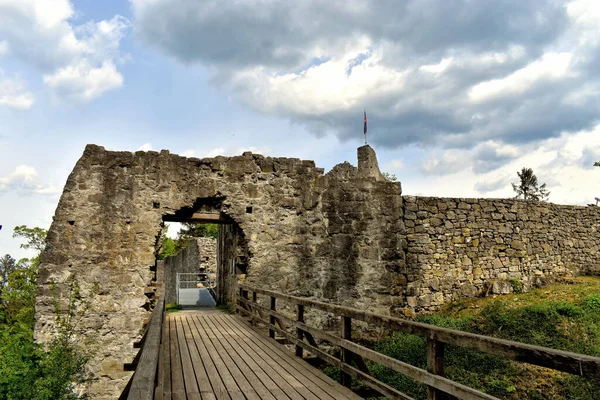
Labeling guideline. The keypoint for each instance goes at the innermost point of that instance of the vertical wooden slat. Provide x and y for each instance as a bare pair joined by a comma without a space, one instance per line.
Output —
254,309
299,332
435,365
346,379
272,318
241,296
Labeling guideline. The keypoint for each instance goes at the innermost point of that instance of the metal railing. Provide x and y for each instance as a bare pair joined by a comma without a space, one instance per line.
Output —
194,280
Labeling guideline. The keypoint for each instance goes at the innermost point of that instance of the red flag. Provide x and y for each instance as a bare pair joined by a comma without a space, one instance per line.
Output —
365,122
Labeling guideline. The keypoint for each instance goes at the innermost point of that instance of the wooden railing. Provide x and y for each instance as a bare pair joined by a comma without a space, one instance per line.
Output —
144,379
437,338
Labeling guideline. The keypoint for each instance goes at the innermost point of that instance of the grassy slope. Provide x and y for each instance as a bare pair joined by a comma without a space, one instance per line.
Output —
564,316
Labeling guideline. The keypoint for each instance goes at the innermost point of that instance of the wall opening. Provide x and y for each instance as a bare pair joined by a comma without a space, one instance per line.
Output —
206,245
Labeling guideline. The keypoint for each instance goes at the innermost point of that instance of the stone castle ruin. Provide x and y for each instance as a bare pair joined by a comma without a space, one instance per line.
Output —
347,236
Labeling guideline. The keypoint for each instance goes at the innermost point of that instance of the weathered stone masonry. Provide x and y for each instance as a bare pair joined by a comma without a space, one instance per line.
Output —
462,247
285,226
347,236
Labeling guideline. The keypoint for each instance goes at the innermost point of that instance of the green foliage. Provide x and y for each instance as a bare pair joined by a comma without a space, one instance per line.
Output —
168,248
572,326
517,286
18,363
27,371
192,229
172,307
576,387
592,302
35,237
18,295
408,348
389,177
528,186
188,230
58,368
333,372
7,265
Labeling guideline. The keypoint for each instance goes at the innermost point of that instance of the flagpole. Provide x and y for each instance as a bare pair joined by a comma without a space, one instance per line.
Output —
365,126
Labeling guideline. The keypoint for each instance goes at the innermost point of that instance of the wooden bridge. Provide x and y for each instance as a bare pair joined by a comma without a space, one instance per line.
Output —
207,354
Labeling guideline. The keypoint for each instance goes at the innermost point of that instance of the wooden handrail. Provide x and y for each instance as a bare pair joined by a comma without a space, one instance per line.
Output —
143,381
584,365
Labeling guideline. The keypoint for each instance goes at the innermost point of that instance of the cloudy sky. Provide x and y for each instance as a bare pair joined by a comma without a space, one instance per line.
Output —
460,95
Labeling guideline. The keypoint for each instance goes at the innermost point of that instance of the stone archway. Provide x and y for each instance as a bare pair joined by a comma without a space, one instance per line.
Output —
299,225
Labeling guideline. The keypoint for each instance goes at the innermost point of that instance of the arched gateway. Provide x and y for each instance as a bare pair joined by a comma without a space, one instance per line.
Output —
338,236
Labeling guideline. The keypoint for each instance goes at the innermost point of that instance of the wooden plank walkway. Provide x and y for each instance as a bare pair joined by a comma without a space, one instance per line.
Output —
207,354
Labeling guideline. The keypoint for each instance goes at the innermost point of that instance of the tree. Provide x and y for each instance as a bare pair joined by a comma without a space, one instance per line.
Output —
389,177
7,265
528,186
35,237
27,370
192,229
170,247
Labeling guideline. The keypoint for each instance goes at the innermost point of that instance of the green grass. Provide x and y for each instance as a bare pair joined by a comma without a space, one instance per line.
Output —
171,308
563,316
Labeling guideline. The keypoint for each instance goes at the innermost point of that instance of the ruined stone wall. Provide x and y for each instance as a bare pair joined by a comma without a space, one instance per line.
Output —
288,235
362,255
109,218
207,249
466,247
348,237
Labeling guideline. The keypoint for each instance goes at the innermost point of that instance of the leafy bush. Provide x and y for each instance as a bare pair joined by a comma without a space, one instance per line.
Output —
592,302
517,286
27,371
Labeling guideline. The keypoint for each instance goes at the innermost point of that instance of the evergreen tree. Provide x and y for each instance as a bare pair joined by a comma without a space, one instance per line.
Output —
528,186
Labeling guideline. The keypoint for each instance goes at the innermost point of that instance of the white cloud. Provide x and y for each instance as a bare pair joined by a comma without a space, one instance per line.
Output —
188,153
450,162
564,164
219,151
82,82
585,15
550,66
334,85
3,48
236,151
145,147
444,74
24,180
14,94
77,61
397,164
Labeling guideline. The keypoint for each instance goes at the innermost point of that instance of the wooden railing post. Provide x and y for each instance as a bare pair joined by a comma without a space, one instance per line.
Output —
272,318
254,309
299,332
346,354
435,365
